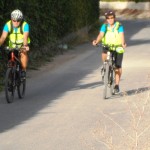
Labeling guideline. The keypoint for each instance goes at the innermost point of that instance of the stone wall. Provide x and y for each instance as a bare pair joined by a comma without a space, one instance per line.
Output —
125,5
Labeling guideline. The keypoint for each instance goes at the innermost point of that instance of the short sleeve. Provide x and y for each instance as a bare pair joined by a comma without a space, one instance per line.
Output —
26,28
121,29
103,28
6,28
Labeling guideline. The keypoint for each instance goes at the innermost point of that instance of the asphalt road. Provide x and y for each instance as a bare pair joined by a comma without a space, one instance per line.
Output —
63,108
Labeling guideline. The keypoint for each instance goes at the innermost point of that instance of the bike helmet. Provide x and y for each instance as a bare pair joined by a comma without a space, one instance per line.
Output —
109,13
17,15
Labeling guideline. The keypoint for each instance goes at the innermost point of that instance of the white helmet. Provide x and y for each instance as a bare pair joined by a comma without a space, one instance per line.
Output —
17,15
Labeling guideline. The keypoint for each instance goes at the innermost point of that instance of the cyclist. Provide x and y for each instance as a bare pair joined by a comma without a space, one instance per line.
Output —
112,33
17,32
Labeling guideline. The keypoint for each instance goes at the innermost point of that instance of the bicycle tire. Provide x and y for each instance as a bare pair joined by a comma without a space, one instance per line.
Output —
112,78
106,75
21,88
9,85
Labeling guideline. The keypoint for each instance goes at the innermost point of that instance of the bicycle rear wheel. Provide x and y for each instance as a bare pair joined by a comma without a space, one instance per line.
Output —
21,87
10,85
106,75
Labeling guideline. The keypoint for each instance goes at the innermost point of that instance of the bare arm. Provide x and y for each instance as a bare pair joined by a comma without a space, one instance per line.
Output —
99,38
25,40
3,37
123,39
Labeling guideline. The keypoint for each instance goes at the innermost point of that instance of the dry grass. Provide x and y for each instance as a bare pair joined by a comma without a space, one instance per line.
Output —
130,130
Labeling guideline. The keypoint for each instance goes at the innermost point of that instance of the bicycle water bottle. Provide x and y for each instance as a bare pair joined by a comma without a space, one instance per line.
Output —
108,55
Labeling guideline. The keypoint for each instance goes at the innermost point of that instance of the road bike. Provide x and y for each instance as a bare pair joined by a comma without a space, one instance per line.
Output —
13,77
108,72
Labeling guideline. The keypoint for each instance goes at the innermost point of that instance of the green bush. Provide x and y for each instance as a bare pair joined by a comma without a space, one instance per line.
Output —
52,19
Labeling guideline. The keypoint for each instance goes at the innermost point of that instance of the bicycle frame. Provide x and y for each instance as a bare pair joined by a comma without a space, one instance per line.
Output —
109,73
12,62
13,76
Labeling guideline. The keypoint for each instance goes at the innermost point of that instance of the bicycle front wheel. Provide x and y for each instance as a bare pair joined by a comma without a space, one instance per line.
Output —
106,75
9,85
112,79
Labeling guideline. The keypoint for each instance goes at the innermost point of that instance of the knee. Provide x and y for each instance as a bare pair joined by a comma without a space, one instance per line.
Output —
118,71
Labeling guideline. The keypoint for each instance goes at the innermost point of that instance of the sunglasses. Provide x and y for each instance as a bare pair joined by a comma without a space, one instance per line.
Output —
110,18
16,20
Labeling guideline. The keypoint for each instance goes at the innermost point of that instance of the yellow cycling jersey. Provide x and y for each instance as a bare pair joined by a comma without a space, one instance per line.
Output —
16,37
112,36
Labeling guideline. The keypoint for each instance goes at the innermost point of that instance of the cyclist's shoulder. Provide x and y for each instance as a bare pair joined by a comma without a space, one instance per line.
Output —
118,23
104,27
7,26
119,26
25,22
25,26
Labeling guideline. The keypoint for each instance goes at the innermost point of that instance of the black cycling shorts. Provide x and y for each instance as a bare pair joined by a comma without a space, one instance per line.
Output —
118,57
118,60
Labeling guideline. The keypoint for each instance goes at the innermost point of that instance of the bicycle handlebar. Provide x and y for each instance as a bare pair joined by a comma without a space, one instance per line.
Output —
22,49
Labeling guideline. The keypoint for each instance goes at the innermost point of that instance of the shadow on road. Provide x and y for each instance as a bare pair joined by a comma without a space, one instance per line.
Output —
47,90
135,91
89,86
130,93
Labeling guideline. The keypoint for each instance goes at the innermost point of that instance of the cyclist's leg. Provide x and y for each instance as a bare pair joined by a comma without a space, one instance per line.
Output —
118,70
118,73
24,60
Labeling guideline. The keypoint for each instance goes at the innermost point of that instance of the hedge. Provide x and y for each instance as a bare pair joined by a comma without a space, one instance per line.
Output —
51,19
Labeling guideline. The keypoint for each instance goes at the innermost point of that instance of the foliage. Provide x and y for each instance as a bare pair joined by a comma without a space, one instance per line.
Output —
125,1
51,19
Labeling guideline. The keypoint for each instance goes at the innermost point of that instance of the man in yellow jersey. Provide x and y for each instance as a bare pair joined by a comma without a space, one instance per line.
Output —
17,31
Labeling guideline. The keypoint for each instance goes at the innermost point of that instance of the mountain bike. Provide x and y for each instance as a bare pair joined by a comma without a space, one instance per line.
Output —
13,78
108,72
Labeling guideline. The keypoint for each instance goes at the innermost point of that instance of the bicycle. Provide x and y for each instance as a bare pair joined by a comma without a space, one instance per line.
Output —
108,71
13,77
